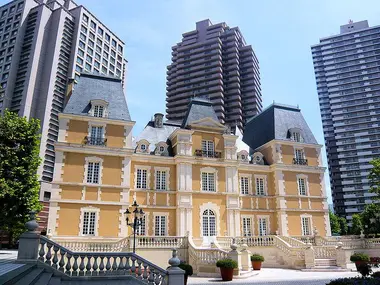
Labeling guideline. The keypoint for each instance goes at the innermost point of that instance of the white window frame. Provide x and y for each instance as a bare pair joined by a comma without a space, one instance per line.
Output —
209,170
243,225
166,215
265,186
305,178
209,218
299,153
208,146
310,218
99,103
141,230
93,159
167,178
160,145
296,136
259,218
140,145
246,177
81,221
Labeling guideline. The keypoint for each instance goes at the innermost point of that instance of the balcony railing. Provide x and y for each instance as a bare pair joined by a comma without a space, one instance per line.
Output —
95,141
300,161
208,153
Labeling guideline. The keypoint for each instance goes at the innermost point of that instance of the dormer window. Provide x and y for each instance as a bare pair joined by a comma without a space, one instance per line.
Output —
162,149
98,111
99,108
294,134
243,156
143,147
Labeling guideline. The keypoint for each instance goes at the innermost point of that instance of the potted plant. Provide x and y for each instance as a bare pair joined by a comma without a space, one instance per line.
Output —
227,267
256,260
359,259
188,270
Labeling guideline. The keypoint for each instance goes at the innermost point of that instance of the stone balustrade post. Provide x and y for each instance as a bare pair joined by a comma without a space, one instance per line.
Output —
176,276
341,260
235,255
29,241
309,256
245,258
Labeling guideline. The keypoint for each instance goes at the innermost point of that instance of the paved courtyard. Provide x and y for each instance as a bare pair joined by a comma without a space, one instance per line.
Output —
274,276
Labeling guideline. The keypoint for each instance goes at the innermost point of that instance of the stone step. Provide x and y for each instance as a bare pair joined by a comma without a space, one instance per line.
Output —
325,262
31,277
44,279
326,269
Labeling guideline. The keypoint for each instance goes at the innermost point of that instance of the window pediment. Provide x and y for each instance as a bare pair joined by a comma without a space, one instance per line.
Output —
258,158
295,134
243,156
142,146
161,149
99,108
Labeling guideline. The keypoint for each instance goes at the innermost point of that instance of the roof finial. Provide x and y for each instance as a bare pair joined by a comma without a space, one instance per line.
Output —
350,21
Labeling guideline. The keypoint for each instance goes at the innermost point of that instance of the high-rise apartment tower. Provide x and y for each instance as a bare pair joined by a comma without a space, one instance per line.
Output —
43,46
347,71
214,61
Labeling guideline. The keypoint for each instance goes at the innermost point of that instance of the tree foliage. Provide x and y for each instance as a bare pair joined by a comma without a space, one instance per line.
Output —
343,226
357,226
370,219
374,177
19,160
334,223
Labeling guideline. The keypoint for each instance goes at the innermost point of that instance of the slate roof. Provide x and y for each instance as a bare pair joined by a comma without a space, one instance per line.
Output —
274,123
155,135
92,87
199,108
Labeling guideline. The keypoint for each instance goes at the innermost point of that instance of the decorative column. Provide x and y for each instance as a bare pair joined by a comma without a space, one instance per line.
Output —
176,275
29,241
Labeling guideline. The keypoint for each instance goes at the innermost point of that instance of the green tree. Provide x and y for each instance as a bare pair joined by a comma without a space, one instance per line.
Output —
343,225
357,226
334,223
19,160
370,219
374,177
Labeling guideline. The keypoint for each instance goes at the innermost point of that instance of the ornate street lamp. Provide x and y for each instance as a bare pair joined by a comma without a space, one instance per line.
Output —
137,218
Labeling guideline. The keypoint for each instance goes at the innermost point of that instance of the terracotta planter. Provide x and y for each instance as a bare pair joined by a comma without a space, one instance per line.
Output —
256,265
227,273
359,263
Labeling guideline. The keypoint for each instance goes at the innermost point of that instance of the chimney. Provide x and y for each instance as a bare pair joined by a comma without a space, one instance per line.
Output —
158,120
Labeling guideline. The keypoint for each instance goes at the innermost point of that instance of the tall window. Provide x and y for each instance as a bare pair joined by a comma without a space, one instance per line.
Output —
160,225
247,226
89,219
302,190
98,111
208,182
260,186
208,148
161,180
263,226
306,226
209,223
299,153
96,136
244,188
296,136
141,179
140,230
93,172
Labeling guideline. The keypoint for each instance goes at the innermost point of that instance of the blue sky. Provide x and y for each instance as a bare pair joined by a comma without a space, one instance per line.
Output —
280,32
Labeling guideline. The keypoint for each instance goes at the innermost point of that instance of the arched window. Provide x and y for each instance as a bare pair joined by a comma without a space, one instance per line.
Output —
209,223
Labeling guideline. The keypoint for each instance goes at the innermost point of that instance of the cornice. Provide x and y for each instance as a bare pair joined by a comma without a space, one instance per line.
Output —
99,150
96,119
289,142
62,183
297,168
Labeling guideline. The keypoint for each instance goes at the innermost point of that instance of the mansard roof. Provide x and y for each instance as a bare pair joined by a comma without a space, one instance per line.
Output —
98,87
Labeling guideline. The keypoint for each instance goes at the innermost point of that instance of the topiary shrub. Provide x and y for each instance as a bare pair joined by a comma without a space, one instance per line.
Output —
257,257
359,257
187,268
227,263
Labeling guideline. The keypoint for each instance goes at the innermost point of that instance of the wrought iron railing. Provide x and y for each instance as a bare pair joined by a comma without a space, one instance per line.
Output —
300,161
208,153
95,141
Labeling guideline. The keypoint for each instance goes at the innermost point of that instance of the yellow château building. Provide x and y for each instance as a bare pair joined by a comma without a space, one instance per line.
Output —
194,177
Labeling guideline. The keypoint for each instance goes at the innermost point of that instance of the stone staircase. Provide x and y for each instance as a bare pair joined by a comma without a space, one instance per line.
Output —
34,275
